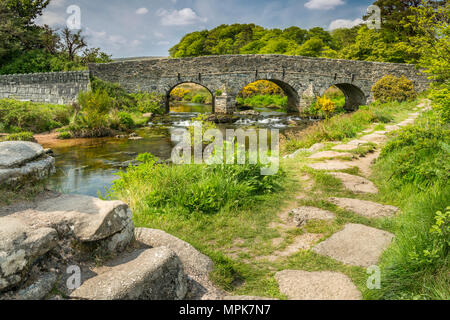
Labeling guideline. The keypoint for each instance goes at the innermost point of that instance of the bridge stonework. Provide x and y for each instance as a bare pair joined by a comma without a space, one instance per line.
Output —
301,78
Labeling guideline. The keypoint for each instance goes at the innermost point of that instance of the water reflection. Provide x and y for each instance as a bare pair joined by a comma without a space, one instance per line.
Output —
91,166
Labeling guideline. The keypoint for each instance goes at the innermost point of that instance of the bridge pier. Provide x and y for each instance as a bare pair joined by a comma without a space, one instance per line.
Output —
225,104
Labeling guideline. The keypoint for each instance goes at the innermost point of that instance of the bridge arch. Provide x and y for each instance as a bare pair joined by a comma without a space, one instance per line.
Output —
354,93
290,92
173,86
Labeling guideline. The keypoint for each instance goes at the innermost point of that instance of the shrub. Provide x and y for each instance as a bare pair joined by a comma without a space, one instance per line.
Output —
391,88
125,120
19,116
190,189
64,135
198,98
148,102
93,120
440,95
120,98
21,136
178,94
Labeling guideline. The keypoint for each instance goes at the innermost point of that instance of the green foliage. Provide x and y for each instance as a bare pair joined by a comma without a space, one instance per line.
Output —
17,116
147,158
120,98
198,98
252,39
190,189
93,120
21,136
440,95
391,88
148,102
64,135
263,101
413,172
422,157
125,120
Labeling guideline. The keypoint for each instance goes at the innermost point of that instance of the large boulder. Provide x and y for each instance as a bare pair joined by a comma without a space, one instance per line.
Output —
85,218
24,162
148,274
20,246
193,261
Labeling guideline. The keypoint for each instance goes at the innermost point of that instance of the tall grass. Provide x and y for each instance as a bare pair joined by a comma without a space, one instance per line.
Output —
19,116
346,126
413,172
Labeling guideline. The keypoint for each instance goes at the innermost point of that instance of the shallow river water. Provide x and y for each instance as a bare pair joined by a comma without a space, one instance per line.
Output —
91,166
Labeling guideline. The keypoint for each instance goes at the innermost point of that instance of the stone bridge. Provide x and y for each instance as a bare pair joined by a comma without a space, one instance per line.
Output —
301,78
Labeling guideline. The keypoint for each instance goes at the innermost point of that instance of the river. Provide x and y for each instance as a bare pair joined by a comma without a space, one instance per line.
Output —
90,167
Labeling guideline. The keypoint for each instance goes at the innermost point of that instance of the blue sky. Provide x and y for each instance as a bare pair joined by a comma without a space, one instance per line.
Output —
150,27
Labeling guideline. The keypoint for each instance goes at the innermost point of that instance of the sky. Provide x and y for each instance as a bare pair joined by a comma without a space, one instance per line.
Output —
137,28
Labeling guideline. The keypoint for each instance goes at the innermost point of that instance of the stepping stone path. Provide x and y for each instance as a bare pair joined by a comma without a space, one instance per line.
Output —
303,215
355,184
374,137
345,147
330,154
366,209
330,165
356,245
302,285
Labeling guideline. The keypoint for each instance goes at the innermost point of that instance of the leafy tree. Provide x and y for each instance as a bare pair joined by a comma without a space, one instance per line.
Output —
28,9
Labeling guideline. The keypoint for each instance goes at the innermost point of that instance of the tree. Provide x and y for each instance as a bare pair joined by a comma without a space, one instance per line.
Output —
72,42
27,9
432,39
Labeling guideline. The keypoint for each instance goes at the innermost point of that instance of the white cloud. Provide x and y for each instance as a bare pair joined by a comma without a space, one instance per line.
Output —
182,17
142,11
323,4
52,19
344,23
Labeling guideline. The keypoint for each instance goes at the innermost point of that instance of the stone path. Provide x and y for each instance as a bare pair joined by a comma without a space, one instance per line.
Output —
355,244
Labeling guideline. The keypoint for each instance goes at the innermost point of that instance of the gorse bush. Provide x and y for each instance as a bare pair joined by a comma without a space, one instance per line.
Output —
391,88
325,105
17,116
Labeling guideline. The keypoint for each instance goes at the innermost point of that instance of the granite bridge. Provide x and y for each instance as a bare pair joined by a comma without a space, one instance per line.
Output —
301,78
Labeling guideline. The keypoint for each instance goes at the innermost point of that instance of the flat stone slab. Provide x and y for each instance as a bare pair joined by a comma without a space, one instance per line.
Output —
364,208
355,184
152,274
331,165
407,122
356,245
16,153
325,285
375,138
392,128
304,214
330,154
357,142
87,218
345,147
193,261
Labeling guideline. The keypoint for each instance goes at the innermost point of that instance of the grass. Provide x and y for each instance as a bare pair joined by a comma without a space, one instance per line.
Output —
17,116
346,126
413,174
